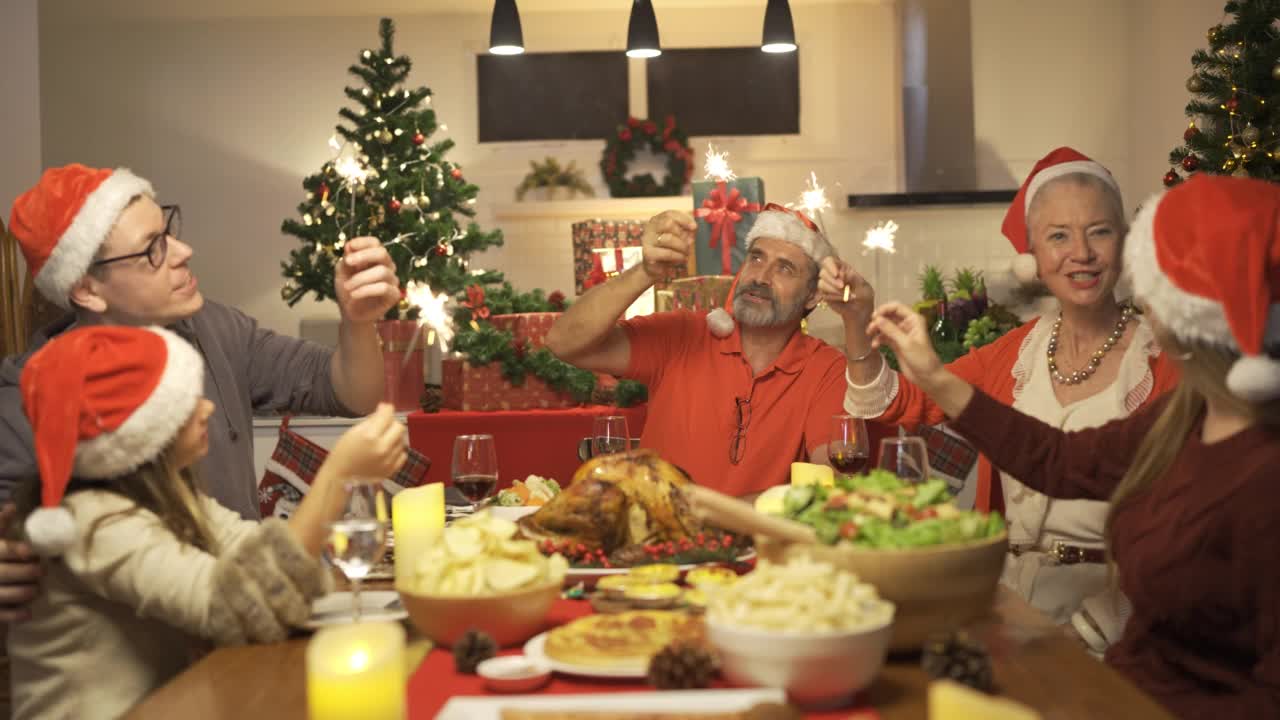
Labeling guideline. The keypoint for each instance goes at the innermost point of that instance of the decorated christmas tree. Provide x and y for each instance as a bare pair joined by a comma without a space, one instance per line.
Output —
1235,100
388,179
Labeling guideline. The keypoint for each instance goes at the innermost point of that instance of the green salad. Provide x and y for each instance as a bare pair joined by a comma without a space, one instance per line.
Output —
880,511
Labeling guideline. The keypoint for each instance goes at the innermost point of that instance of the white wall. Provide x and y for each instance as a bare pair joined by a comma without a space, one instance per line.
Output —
20,109
226,115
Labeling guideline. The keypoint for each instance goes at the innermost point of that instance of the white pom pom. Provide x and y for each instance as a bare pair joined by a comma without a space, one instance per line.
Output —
720,322
1255,378
51,530
1024,268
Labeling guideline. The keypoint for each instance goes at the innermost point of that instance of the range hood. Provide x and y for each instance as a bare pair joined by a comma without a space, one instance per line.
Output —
939,146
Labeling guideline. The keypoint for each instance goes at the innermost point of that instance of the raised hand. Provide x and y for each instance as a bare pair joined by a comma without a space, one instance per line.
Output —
845,291
372,448
906,332
365,281
668,239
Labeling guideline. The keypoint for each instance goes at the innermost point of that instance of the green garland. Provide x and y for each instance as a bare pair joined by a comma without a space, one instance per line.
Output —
481,343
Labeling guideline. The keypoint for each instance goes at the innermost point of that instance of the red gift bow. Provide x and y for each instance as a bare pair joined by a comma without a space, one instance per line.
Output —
723,208
598,276
475,302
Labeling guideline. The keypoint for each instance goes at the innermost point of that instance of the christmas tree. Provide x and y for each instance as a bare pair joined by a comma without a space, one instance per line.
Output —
1236,94
388,180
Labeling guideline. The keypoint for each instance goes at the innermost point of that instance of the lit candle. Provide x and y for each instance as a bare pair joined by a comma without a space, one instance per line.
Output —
356,672
417,516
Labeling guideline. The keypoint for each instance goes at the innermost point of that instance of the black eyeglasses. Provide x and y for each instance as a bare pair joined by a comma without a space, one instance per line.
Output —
158,249
739,442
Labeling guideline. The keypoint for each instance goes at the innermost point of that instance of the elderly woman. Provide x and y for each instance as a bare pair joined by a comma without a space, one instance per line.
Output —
1192,524
1092,361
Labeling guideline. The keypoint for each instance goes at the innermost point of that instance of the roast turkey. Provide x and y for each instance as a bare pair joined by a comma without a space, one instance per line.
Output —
616,501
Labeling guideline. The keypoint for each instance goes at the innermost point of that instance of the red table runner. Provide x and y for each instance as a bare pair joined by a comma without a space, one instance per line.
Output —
436,681
530,442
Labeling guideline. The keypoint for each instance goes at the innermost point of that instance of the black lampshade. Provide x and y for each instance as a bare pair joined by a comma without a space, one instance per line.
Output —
505,36
779,31
642,31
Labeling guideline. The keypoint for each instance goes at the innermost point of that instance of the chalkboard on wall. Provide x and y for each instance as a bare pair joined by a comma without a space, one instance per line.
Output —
551,96
727,91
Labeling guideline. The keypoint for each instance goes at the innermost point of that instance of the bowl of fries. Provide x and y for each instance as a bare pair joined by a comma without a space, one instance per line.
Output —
479,576
804,626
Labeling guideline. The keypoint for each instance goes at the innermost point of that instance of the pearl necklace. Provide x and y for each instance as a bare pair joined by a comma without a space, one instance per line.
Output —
1079,376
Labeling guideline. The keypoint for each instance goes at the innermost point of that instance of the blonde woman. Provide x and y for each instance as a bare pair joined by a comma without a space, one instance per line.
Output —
142,570
1194,524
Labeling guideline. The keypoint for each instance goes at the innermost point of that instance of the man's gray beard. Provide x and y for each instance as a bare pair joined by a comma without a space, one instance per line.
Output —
749,315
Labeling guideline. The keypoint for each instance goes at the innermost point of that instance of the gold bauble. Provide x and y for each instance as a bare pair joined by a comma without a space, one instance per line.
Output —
1240,172
1195,84
1275,72
403,304
424,200
288,291
1236,150
385,136
1250,135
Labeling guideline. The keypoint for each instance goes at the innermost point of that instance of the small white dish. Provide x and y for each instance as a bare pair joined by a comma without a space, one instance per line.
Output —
536,650
335,608
514,673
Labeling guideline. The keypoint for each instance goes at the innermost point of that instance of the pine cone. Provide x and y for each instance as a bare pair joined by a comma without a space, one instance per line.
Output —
960,658
472,649
681,666
432,399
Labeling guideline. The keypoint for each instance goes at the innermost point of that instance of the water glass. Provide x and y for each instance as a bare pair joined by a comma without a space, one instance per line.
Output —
906,457
609,434
357,540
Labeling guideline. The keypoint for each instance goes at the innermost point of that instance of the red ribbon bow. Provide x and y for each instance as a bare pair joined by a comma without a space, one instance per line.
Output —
722,209
475,302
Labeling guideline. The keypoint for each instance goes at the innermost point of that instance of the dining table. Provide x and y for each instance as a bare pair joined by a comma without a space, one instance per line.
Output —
1033,661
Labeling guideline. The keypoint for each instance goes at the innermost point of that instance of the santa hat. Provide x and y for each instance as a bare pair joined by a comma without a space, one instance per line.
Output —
781,223
1060,162
65,218
1205,256
102,401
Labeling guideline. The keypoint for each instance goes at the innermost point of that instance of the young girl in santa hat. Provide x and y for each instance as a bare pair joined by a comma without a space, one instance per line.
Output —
143,570
1194,525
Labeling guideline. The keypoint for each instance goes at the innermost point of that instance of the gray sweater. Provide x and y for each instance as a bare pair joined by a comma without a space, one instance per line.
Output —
248,371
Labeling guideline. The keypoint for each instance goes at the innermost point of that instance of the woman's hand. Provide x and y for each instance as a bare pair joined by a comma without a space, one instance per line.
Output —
372,448
907,333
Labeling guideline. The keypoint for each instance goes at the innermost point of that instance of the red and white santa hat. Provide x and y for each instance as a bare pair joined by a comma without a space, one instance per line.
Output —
1060,162
65,218
782,223
102,401
1205,257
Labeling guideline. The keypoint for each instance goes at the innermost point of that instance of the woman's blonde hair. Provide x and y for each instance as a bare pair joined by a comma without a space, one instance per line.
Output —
158,486
1204,379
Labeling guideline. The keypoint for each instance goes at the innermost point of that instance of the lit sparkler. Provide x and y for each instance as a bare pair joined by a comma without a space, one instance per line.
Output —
717,165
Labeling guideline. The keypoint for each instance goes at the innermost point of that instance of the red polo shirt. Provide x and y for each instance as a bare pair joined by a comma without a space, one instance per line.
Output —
695,384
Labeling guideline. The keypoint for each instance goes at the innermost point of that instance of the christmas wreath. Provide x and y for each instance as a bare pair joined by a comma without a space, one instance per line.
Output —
635,135
482,343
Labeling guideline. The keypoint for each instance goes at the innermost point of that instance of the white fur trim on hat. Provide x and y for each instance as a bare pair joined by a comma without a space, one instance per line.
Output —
1049,174
720,322
1024,268
50,530
785,226
74,252
154,423
1255,378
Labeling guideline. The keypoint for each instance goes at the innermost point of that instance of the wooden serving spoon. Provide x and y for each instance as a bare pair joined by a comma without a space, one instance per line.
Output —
739,516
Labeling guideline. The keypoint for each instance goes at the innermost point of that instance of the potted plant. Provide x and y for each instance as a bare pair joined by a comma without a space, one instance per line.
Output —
553,182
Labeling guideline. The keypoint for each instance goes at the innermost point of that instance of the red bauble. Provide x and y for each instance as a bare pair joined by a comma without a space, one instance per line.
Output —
456,173
624,135
1171,178
1233,104
442,250
394,205
1190,163
1191,134
419,138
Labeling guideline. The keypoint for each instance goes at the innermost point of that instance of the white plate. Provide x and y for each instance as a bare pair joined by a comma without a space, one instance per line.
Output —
590,576
535,650
335,608
687,701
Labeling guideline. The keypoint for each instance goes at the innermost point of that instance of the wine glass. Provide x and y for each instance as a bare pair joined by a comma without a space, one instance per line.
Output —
848,450
609,434
475,467
357,540
906,457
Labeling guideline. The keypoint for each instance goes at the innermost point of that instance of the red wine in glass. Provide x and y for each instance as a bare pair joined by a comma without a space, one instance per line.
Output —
475,487
848,461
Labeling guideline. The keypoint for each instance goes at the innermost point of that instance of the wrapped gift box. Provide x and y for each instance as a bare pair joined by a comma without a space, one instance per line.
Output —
530,328
703,292
484,389
725,211
590,235
613,261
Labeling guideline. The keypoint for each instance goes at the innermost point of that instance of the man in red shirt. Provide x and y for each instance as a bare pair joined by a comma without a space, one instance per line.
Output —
731,403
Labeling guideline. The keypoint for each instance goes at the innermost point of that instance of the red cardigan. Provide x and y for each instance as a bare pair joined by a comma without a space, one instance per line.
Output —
1196,551
990,369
